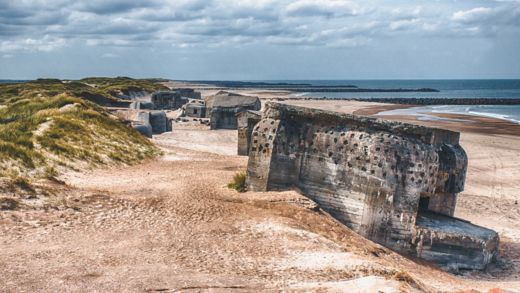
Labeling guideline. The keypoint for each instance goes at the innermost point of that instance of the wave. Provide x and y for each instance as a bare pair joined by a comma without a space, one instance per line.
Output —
508,113
494,115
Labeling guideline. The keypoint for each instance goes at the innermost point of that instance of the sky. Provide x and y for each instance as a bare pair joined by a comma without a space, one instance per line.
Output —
260,39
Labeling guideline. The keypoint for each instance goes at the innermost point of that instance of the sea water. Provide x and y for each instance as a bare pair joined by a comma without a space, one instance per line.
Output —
496,88
505,112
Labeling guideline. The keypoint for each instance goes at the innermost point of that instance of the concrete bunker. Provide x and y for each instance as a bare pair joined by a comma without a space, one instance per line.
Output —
392,182
223,107
168,100
195,108
188,93
147,122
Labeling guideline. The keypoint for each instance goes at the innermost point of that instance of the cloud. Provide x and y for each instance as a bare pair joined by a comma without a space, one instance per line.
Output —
488,21
44,44
327,8
472,15
45,25
507,13
107,7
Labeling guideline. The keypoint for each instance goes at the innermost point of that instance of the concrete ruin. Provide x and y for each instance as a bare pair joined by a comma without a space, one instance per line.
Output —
160,122
141,105
195,108
147,122
168,100
392,182
246,122
188,93
223,107
140,121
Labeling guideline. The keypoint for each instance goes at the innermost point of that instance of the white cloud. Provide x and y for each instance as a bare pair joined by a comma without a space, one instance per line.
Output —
404,24
44,44
472,14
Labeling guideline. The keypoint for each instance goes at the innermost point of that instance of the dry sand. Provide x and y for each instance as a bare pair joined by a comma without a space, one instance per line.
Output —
171,224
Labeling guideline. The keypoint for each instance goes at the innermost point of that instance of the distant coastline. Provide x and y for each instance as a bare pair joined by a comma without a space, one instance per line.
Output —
307,87
12,81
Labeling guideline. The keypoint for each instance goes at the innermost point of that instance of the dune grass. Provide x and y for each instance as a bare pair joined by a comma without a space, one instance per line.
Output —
105,89
44,128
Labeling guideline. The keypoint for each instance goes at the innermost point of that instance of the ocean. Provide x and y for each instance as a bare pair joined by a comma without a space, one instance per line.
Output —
499,88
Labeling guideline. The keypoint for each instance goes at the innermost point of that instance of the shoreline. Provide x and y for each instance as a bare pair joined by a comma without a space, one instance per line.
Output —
372,107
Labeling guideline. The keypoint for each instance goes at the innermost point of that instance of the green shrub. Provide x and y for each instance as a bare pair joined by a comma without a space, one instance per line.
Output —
239,182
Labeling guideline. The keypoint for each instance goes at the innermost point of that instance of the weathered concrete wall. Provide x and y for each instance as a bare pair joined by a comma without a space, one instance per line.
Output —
246,122
223,118
375,176
188,93
159,122
141,122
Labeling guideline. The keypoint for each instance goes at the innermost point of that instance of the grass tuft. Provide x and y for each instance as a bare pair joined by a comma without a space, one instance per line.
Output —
22,183
238,182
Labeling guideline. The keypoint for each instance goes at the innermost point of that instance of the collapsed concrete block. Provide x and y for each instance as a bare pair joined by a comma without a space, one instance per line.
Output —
145,130
392,182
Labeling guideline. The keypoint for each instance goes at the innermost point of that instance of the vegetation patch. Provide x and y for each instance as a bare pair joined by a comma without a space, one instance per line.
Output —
238,182
21,183
47,125
101,90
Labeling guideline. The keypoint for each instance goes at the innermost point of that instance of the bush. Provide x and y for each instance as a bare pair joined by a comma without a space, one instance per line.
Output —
239,182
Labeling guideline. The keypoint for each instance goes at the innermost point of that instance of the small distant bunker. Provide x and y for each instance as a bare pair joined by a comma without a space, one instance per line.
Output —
168,100
246,122
391,182
188,93
223,107
147,122
195,108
